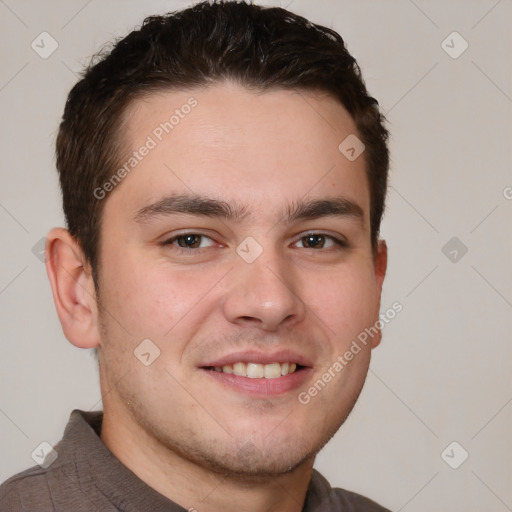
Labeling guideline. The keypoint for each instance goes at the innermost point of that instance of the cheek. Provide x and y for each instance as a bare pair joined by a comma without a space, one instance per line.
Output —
346,301
150,297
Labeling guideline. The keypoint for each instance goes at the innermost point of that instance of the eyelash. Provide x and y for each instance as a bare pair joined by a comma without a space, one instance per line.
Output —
170,241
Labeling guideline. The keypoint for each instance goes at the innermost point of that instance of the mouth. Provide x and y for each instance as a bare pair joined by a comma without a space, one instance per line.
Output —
259,374
257,370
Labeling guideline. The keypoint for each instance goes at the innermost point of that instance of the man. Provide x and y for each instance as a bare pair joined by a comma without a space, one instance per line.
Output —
223,172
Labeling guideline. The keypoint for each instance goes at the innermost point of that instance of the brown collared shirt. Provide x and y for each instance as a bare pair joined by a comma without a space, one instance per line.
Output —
87,477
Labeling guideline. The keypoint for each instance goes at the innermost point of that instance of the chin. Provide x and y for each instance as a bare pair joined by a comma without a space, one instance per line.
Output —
238,458
251,463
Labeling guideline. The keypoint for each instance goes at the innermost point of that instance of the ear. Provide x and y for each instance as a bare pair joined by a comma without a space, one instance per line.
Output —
73,289
380,263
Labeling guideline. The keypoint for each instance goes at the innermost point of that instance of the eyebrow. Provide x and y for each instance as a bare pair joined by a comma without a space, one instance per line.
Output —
208,207
335,207
192,205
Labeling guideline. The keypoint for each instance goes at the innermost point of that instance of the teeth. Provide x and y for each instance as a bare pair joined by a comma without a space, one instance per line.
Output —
240,369
272,371
258,371
255,371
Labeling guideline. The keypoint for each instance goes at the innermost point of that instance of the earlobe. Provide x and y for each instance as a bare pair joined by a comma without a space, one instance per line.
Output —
380,266
73,288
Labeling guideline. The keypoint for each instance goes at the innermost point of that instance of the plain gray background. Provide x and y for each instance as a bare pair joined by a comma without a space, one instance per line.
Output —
442,372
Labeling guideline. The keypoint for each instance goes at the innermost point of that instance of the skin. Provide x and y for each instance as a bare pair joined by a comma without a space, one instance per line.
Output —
189,436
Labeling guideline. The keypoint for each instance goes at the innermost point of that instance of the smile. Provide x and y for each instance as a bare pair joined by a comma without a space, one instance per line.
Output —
256,370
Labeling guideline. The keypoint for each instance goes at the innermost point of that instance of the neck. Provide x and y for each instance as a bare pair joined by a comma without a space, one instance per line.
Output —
191,485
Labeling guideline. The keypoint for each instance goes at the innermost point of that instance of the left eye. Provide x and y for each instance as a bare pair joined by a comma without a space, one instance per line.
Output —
190,241
318,241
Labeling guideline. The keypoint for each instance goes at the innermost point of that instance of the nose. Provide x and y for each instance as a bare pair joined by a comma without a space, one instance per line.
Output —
264,295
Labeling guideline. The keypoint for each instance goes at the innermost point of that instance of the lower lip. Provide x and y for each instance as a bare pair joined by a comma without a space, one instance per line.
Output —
262,387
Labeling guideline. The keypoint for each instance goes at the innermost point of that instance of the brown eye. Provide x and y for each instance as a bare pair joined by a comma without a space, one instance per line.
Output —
190,241
319,241
313,241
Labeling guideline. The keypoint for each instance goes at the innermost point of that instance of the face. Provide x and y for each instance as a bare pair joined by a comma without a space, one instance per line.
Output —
240,246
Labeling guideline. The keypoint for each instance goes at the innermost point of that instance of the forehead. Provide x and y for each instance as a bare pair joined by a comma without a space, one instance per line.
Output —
229,142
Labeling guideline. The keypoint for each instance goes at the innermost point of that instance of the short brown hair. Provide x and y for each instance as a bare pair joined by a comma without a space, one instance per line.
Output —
258,47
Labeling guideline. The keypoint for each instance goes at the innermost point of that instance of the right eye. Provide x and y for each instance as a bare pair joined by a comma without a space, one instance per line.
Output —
190,241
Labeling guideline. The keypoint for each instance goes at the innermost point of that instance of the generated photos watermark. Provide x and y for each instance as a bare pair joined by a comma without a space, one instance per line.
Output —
342,360
152,140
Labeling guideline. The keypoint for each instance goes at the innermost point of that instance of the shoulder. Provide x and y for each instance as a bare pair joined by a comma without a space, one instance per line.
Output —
54,483
323,498
26,491
353,502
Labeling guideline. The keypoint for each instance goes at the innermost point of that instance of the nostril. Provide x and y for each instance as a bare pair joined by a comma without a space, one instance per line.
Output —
249,320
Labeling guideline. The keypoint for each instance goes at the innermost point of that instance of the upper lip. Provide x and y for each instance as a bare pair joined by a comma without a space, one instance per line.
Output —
259,357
